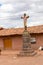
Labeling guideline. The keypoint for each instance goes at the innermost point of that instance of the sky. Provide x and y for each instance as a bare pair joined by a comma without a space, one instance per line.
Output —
12,10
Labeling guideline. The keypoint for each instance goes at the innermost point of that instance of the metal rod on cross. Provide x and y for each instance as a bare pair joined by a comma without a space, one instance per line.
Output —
25,20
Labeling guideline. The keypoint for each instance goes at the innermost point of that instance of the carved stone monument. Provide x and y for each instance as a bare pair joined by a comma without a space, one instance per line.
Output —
26,47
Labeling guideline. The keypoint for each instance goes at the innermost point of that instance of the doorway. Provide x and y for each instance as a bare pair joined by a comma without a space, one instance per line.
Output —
7,43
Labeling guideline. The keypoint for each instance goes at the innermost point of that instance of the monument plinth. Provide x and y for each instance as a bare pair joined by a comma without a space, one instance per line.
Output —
26,47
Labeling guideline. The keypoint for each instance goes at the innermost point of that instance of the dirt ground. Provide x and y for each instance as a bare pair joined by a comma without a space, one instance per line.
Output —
10,58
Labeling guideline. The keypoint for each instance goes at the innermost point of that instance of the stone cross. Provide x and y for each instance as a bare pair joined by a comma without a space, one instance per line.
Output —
25,19
26,48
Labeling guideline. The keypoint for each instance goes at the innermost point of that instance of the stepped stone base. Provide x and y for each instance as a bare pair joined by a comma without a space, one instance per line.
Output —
25,53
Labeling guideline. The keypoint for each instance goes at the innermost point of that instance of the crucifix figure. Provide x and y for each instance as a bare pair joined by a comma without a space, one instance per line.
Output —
25,19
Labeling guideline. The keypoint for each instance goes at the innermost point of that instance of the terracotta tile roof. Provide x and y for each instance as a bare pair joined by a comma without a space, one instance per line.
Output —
14,31
1,28
36,29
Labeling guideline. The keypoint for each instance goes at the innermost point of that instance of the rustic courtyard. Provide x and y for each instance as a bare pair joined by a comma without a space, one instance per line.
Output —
10,58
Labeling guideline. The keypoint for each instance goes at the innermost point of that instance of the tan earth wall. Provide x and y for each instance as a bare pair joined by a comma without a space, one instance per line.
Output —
39,41
17,42
1,43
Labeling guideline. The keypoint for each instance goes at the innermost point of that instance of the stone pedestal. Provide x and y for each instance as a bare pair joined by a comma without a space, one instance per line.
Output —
26,47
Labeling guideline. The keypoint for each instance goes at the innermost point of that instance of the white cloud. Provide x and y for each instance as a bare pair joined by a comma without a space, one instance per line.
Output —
6,7
4,11
19,5
12,10
35,23
4,15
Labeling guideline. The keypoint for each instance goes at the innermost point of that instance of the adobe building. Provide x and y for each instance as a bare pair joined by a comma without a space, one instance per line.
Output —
12,38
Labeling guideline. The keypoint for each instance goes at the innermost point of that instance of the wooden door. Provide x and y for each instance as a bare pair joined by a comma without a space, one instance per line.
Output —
7,43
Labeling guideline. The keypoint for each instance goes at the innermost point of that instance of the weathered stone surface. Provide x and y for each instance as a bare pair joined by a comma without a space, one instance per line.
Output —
26,48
